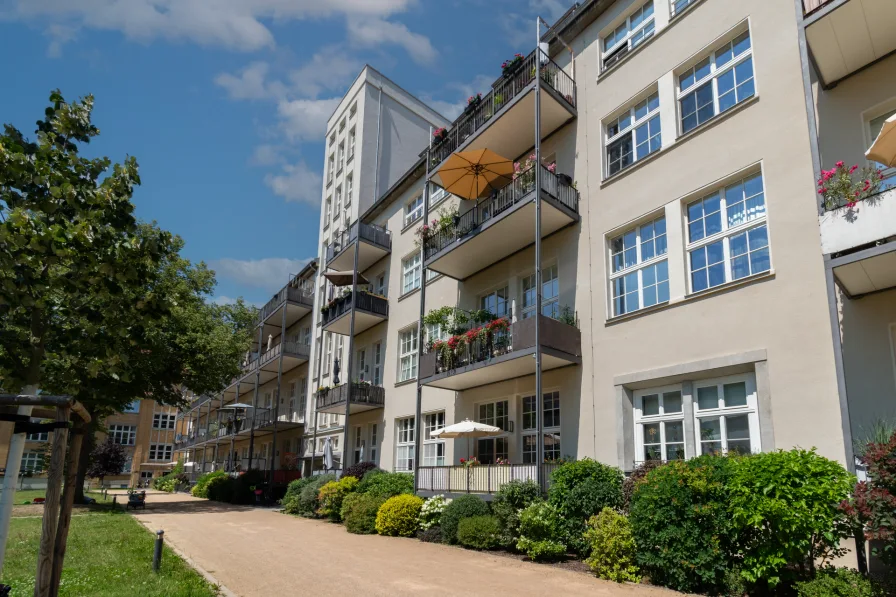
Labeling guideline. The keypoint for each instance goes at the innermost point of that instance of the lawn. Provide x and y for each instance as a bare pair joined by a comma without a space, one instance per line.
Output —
26,495
109,555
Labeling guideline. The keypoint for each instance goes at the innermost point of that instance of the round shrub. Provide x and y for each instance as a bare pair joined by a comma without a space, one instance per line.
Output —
220,489
463,507
839,582
431,513
308,503
200,490
386,485
359,470
245,485
507,504
581,489
290,501
786,507
541,532
397,517
359,512
479,532
612,547
331,496
681,525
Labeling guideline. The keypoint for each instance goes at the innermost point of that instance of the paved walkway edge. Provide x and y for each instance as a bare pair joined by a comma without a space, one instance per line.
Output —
222,590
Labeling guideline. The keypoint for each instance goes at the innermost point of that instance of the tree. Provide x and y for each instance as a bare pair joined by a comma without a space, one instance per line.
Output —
108,458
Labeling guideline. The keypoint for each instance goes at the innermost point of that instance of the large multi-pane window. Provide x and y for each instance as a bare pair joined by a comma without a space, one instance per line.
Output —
410,273
716,83
550,293
32,462
331,168
413,211
351,144
407,354
726,415
490,450
636,28
433,447
680,5
41,436
639,270
728,235
634,134
404,444
163,421
160,451
340,158
124,435
659,424
551,428
496,302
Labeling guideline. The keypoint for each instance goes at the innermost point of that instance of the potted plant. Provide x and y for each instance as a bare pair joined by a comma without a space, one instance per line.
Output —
838,189
473,102
439,135
509,67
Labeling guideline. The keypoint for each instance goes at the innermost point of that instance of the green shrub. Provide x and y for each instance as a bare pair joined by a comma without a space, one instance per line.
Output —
308,504
874,500
397,517
386,485
507,504
331,496
681,525
359,512
612,547
245,485
431,513
430,535
290,500
465,506
220,489
581,489
200,490
634,479
838,582
359,469
479,532
541,532
786,507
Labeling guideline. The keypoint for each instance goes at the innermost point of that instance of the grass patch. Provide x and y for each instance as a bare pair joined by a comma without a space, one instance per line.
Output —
109,554
26,495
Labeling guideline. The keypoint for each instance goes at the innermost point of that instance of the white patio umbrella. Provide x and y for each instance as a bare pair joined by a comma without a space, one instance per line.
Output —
328,453
235,406
883,150
468,429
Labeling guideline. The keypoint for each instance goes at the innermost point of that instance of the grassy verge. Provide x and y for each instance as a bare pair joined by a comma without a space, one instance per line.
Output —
109,555
26,495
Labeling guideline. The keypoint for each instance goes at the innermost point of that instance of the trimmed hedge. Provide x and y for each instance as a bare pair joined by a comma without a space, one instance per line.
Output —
479,532
466,506
200,490
386,485
220,489
359,512
397,517
290,500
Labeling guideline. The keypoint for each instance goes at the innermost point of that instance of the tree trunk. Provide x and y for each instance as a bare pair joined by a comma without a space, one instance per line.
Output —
87,445
68,497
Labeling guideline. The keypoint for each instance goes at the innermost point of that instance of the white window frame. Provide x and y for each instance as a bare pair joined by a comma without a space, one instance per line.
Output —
633,37
407,353
340,155
436,195
641,420
413,210
377,350
404,444
640,264
434,331
504,437
349,190
128,433
32,462
751,410
627,124
372,433
532,429
712,77
328,210
163,420
411,270
351,144
161,452
727,233
40,436
503,288
676,7
331,167
434,449
550,293
337,203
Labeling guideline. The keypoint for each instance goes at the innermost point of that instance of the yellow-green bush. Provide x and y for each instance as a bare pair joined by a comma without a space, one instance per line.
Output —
332,494
612,547
397,517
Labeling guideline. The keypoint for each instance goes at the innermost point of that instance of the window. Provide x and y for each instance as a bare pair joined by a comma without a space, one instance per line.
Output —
413,211
726,415
379,284
128,463
328,360
410,267
133,407
125,435
659,424
32,462
875,125
551,429
436,194
373,430
637,28
496,414
638,278
342,125
404,444
407,354
160,452
716,83
351,144
337,211
496,302
727,234
41,436
433,447
328,210
435,332
331,167
163,421
633,135
550,294
340,156
352,110
680,5
349,190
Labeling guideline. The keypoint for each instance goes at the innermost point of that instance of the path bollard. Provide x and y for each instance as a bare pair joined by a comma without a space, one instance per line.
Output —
157,554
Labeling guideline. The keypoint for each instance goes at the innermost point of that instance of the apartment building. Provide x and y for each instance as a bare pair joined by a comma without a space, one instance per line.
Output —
145,430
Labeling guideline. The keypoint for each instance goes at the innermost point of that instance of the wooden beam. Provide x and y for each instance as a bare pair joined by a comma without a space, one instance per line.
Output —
45,400
51,506
68,500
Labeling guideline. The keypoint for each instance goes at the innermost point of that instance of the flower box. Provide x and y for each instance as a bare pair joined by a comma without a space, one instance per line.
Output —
509,67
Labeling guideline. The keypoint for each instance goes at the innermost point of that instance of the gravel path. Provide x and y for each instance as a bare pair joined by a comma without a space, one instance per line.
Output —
257,552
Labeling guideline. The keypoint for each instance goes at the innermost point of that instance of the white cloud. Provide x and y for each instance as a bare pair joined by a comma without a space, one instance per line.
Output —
551,10
519,31
269,274
369,32
59,36
235,24
328,70
296,183
251,83
451,109
267,155
305,119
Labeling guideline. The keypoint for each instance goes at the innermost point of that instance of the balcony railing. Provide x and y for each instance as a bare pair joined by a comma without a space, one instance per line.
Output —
502,94
371,233
502,200
303,294
361,393
483,478
292,347
364,301
810,6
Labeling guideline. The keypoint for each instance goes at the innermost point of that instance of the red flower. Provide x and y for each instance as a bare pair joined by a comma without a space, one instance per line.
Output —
839,164
851,204
853,168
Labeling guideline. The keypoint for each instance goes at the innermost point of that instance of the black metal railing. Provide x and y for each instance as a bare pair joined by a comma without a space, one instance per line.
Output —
263,417
510,85
483,478
371,233
490,208
292,346
363,301
297,291
358,393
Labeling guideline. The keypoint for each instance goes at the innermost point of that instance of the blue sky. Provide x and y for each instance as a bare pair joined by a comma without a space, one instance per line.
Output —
224,102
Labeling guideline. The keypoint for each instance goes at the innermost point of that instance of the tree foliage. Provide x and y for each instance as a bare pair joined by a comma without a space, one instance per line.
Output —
108,458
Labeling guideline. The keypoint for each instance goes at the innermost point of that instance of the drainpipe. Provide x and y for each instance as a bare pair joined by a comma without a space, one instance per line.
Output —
420,333
539,412
351,347
376,171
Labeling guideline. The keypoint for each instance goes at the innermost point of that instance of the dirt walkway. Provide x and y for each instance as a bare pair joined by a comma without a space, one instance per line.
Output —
262,552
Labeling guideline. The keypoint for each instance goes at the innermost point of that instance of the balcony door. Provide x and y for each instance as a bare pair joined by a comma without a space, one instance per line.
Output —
377,377
490,450
362,365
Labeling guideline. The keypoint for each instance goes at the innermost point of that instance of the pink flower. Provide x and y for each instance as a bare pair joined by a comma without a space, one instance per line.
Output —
839,164
823,190
851,204
853,168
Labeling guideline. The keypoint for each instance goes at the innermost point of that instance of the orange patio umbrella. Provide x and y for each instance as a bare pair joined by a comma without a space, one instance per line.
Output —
474,174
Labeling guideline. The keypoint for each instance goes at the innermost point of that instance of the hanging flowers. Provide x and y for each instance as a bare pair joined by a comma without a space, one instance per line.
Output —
838,189
440,134
508,67
498,325
474,100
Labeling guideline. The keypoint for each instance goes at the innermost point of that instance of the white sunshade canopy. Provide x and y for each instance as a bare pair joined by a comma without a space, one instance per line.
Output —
234,406
883,150
468,428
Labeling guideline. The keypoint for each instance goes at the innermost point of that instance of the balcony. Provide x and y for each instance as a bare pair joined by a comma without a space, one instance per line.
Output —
504,121
846,35
294,353
362,397
376,243
481,363
484,478
370,309
501,225
297,298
